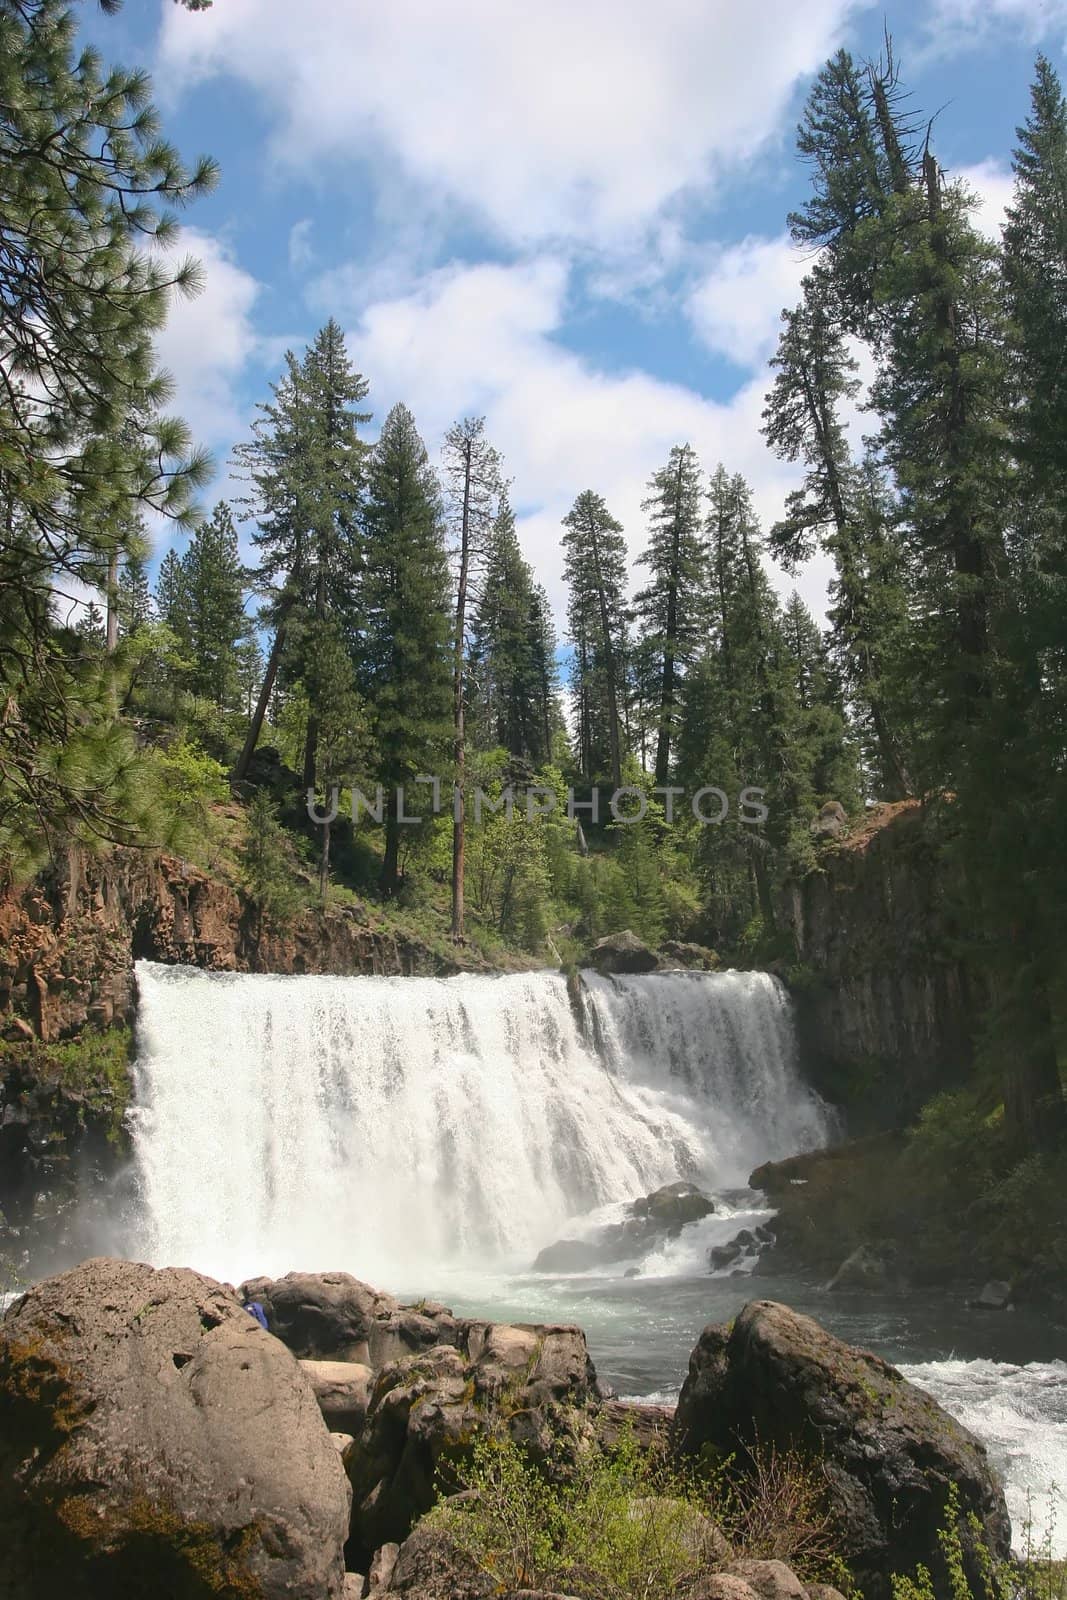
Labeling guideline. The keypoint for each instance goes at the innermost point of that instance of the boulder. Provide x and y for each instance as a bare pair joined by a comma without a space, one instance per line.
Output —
672,1206
769,1580
427,1407
380,1572
693,957
322,1315
431,1566
621,954
155,1440
831,820
342,1389
890,1453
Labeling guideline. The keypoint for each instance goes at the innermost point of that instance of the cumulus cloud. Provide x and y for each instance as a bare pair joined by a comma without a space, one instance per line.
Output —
209,341
736,307
548,121
481,339
992,184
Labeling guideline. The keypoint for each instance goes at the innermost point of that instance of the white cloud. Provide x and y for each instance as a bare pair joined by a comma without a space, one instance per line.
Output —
992,184
551,120
480,339
736,308
301,252
956,23
208,342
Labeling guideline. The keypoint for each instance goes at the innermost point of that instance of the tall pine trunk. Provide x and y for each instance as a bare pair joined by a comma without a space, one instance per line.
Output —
255,727
609,664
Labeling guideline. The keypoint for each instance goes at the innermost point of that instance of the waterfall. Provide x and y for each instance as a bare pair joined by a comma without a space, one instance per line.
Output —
388,1126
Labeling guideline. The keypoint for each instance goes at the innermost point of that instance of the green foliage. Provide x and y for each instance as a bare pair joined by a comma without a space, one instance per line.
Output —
623,1519
267,862
83,444
192,783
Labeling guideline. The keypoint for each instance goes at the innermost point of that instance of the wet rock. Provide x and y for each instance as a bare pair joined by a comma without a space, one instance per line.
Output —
863,1269
652,1220
155,1440
671,1207
890,1452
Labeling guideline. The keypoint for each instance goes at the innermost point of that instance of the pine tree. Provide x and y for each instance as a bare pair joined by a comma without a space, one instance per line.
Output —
832,510
305,466
670,608
329,681
210,605
473,486
134,596
84,172
512,660
407,677
595,570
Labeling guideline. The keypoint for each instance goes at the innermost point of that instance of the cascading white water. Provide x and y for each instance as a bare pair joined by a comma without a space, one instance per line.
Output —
390,1126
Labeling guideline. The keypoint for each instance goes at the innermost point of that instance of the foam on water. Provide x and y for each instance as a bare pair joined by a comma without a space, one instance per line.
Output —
1020,1414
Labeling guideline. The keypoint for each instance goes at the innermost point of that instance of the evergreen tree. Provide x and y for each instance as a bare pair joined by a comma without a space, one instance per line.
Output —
595,570
473,485
513,668
407,678
329,682
210,604
266,859
832,509
84,172
305,465
134,596
670,608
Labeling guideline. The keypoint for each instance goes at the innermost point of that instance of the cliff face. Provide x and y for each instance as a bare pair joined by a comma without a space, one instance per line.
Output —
68,942
885,1009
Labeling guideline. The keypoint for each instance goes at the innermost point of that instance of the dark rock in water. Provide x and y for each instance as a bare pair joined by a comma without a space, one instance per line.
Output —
632,1272
653,1219
673,1206
890,1452
154,1440
621,954
863,1269
745,1246
995,1296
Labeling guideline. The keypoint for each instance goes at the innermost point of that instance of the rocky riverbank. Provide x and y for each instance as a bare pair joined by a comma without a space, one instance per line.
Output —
154,1438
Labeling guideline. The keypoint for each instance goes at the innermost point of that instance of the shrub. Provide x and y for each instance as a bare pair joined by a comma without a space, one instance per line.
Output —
624,1520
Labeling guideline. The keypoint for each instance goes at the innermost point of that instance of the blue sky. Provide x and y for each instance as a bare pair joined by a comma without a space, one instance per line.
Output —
569,217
